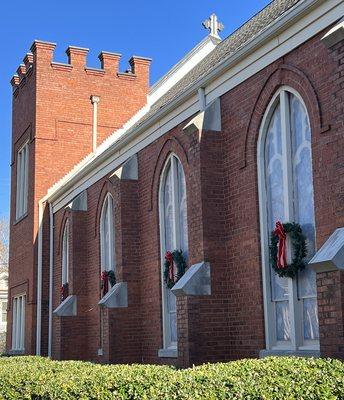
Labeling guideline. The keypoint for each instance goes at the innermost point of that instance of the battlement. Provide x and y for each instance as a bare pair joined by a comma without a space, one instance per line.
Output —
42,56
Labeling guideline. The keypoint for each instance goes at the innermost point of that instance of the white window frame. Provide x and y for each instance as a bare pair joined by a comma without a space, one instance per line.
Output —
3,313
167,343
18,322
65,254
22,180
296,343
108,219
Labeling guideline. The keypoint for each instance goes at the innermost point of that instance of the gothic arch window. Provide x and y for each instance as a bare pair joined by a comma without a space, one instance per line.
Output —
65,253
286,194
107,237
173,235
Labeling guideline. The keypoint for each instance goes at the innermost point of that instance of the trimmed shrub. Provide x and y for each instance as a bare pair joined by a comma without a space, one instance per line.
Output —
271,378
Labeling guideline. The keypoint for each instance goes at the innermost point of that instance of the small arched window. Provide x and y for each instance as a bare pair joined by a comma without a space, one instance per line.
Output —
65,253
286,194
174,235
107,238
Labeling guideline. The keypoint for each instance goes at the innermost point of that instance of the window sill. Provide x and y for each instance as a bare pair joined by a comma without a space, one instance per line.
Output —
20,219
168,353
16,352
68,308
116,297
286,352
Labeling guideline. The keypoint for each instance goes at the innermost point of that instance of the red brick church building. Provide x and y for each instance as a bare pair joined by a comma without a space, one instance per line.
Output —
109,174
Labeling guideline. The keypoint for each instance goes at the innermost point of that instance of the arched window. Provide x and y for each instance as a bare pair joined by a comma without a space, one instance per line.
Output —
286,194
65,253
107,238
174,235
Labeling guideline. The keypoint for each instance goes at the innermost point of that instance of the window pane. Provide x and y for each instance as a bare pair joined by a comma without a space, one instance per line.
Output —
18,196
304,210
282,321
275,197
183,229
173,326
307,283
172,308
106,237
274,170
168,211
110,228
19,322
14,323
279,287
4,311
25,178
23,324
22,181
310,322
302,171
65,254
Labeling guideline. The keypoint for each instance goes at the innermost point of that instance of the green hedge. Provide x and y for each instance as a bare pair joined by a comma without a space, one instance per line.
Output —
270,378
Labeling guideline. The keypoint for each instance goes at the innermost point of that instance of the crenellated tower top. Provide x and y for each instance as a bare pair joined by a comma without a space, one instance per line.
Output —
42,52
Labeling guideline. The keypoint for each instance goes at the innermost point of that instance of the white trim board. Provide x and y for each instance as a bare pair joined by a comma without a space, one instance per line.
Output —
312,16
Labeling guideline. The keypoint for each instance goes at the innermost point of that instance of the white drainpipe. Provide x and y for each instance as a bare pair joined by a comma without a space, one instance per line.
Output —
95,100
39,279
51,269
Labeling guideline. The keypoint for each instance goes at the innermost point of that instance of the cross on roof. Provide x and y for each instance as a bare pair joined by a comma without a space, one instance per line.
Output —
213,25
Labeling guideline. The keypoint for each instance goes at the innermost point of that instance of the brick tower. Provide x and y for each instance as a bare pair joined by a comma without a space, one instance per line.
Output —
53,129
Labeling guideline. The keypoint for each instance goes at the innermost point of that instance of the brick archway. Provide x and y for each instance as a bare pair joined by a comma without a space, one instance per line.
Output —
284,75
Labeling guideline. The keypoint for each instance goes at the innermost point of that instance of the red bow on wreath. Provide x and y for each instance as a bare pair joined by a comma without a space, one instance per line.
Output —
64,291
174,267
169,259
105,282
281,256
107,278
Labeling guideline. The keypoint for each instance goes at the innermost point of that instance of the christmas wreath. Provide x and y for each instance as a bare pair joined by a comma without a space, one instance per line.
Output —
278,256
107,277
174,267
64,291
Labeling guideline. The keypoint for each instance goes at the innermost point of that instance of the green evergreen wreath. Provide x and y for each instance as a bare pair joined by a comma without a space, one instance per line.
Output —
298,242
176,257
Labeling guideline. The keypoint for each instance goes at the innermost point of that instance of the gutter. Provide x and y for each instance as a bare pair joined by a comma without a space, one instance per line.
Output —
39,275
273,30
51,269
39,279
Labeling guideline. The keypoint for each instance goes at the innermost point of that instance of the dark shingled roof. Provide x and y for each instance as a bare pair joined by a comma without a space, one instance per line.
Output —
253,27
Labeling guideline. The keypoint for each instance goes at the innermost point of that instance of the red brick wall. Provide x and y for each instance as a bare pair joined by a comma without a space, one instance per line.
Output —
52,107
223,222
328,166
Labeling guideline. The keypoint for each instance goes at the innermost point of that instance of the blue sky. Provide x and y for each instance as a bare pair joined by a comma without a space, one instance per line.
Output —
162,30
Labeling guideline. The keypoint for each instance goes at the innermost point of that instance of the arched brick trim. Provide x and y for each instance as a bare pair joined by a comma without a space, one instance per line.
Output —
171,145
106,188
65,217
284,75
